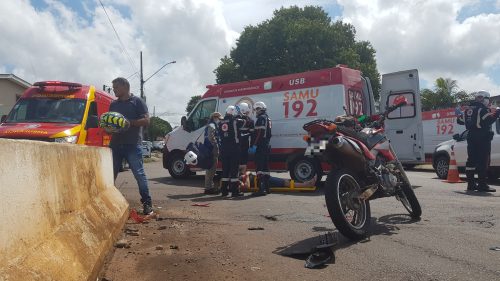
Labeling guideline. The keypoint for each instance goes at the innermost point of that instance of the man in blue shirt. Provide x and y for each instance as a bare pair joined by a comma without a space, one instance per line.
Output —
127,144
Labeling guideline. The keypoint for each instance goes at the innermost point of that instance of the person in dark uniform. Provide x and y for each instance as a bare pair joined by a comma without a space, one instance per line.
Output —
245,135
230,150
262,148
478,120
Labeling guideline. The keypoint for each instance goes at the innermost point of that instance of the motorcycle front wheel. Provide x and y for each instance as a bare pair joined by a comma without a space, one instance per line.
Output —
350,214
410,201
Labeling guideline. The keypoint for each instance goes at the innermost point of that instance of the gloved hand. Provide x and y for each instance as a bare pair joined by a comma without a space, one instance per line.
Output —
252,149
497,112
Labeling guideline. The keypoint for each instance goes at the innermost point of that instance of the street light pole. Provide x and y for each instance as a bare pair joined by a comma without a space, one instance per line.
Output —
144,81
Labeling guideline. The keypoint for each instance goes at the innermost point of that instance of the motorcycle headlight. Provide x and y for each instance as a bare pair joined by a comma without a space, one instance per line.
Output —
68,139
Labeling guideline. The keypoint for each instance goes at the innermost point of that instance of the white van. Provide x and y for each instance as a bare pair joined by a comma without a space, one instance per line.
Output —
295,99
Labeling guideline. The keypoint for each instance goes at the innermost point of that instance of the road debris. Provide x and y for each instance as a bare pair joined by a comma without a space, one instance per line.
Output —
255,228
323,252
201,204
122,244
271,218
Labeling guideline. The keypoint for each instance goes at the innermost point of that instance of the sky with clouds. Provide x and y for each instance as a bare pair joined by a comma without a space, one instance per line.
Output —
74,41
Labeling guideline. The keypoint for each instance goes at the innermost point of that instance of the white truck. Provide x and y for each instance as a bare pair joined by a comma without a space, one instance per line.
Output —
295,99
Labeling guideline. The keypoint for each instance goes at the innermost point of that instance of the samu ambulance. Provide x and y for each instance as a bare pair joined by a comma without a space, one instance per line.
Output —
56,111
295,99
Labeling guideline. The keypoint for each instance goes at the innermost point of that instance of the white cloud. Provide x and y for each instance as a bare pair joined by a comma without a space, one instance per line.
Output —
58,44
427,35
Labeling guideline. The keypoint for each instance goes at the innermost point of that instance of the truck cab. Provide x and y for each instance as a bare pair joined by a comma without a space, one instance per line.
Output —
62,112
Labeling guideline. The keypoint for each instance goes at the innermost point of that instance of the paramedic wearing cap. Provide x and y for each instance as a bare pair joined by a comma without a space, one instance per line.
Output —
212,142
230,150
478,120
262,148
245,133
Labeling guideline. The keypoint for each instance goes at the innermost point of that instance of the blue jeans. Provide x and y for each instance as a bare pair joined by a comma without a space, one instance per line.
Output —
133,154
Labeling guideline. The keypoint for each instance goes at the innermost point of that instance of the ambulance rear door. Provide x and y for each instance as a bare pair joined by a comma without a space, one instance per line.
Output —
404,125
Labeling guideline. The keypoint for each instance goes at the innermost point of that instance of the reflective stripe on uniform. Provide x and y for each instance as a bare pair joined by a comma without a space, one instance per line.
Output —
234,179
487,115
470,168
478,119
224,179
236,139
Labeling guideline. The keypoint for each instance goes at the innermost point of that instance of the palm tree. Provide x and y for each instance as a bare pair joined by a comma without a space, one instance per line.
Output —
446,86
446,94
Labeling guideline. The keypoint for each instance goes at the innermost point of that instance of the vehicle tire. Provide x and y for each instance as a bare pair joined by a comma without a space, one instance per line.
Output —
351,223
410,201
304,168
441,165
177,168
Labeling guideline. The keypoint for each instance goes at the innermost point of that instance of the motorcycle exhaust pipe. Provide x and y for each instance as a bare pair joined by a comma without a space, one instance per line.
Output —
346,153
338,142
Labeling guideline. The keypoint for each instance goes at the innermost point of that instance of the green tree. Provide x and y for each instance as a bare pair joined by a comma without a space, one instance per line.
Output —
296,40
192,102
446,94
158,128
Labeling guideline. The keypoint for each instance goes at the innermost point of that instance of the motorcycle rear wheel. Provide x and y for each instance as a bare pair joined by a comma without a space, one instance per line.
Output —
410,201
349,214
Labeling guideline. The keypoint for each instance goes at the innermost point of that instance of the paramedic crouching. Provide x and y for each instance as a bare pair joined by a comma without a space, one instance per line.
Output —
262,148
478,121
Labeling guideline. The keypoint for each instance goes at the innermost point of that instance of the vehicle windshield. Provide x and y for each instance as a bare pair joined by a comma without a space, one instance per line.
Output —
47,111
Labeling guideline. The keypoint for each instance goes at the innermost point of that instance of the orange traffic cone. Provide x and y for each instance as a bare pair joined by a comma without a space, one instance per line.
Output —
453,176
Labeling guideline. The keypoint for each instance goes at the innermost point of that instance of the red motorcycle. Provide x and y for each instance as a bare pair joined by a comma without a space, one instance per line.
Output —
363,167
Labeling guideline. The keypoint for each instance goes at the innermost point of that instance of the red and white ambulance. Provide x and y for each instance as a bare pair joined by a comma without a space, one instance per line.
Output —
295,99
439,125
56,111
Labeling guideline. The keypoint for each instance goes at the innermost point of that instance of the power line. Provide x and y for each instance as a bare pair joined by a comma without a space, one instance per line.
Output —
131,61
135,73
167,113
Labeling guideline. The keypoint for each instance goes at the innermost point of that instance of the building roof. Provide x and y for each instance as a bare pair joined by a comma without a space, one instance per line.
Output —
15,79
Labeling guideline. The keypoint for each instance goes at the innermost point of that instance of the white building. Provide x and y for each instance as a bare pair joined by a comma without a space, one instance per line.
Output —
11,88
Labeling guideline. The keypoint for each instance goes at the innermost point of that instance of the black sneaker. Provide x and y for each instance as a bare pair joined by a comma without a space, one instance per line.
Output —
485,188
212,191
237,194
148,210
471,186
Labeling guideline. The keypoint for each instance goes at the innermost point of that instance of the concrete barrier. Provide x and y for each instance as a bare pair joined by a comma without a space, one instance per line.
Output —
59,210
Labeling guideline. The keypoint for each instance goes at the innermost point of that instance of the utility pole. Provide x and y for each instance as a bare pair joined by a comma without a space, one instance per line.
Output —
143,97
144,81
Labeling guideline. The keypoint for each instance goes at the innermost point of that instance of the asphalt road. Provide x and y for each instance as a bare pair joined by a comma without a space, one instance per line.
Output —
452,241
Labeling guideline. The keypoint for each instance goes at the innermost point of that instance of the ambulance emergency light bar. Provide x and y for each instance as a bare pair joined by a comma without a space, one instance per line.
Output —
70,85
